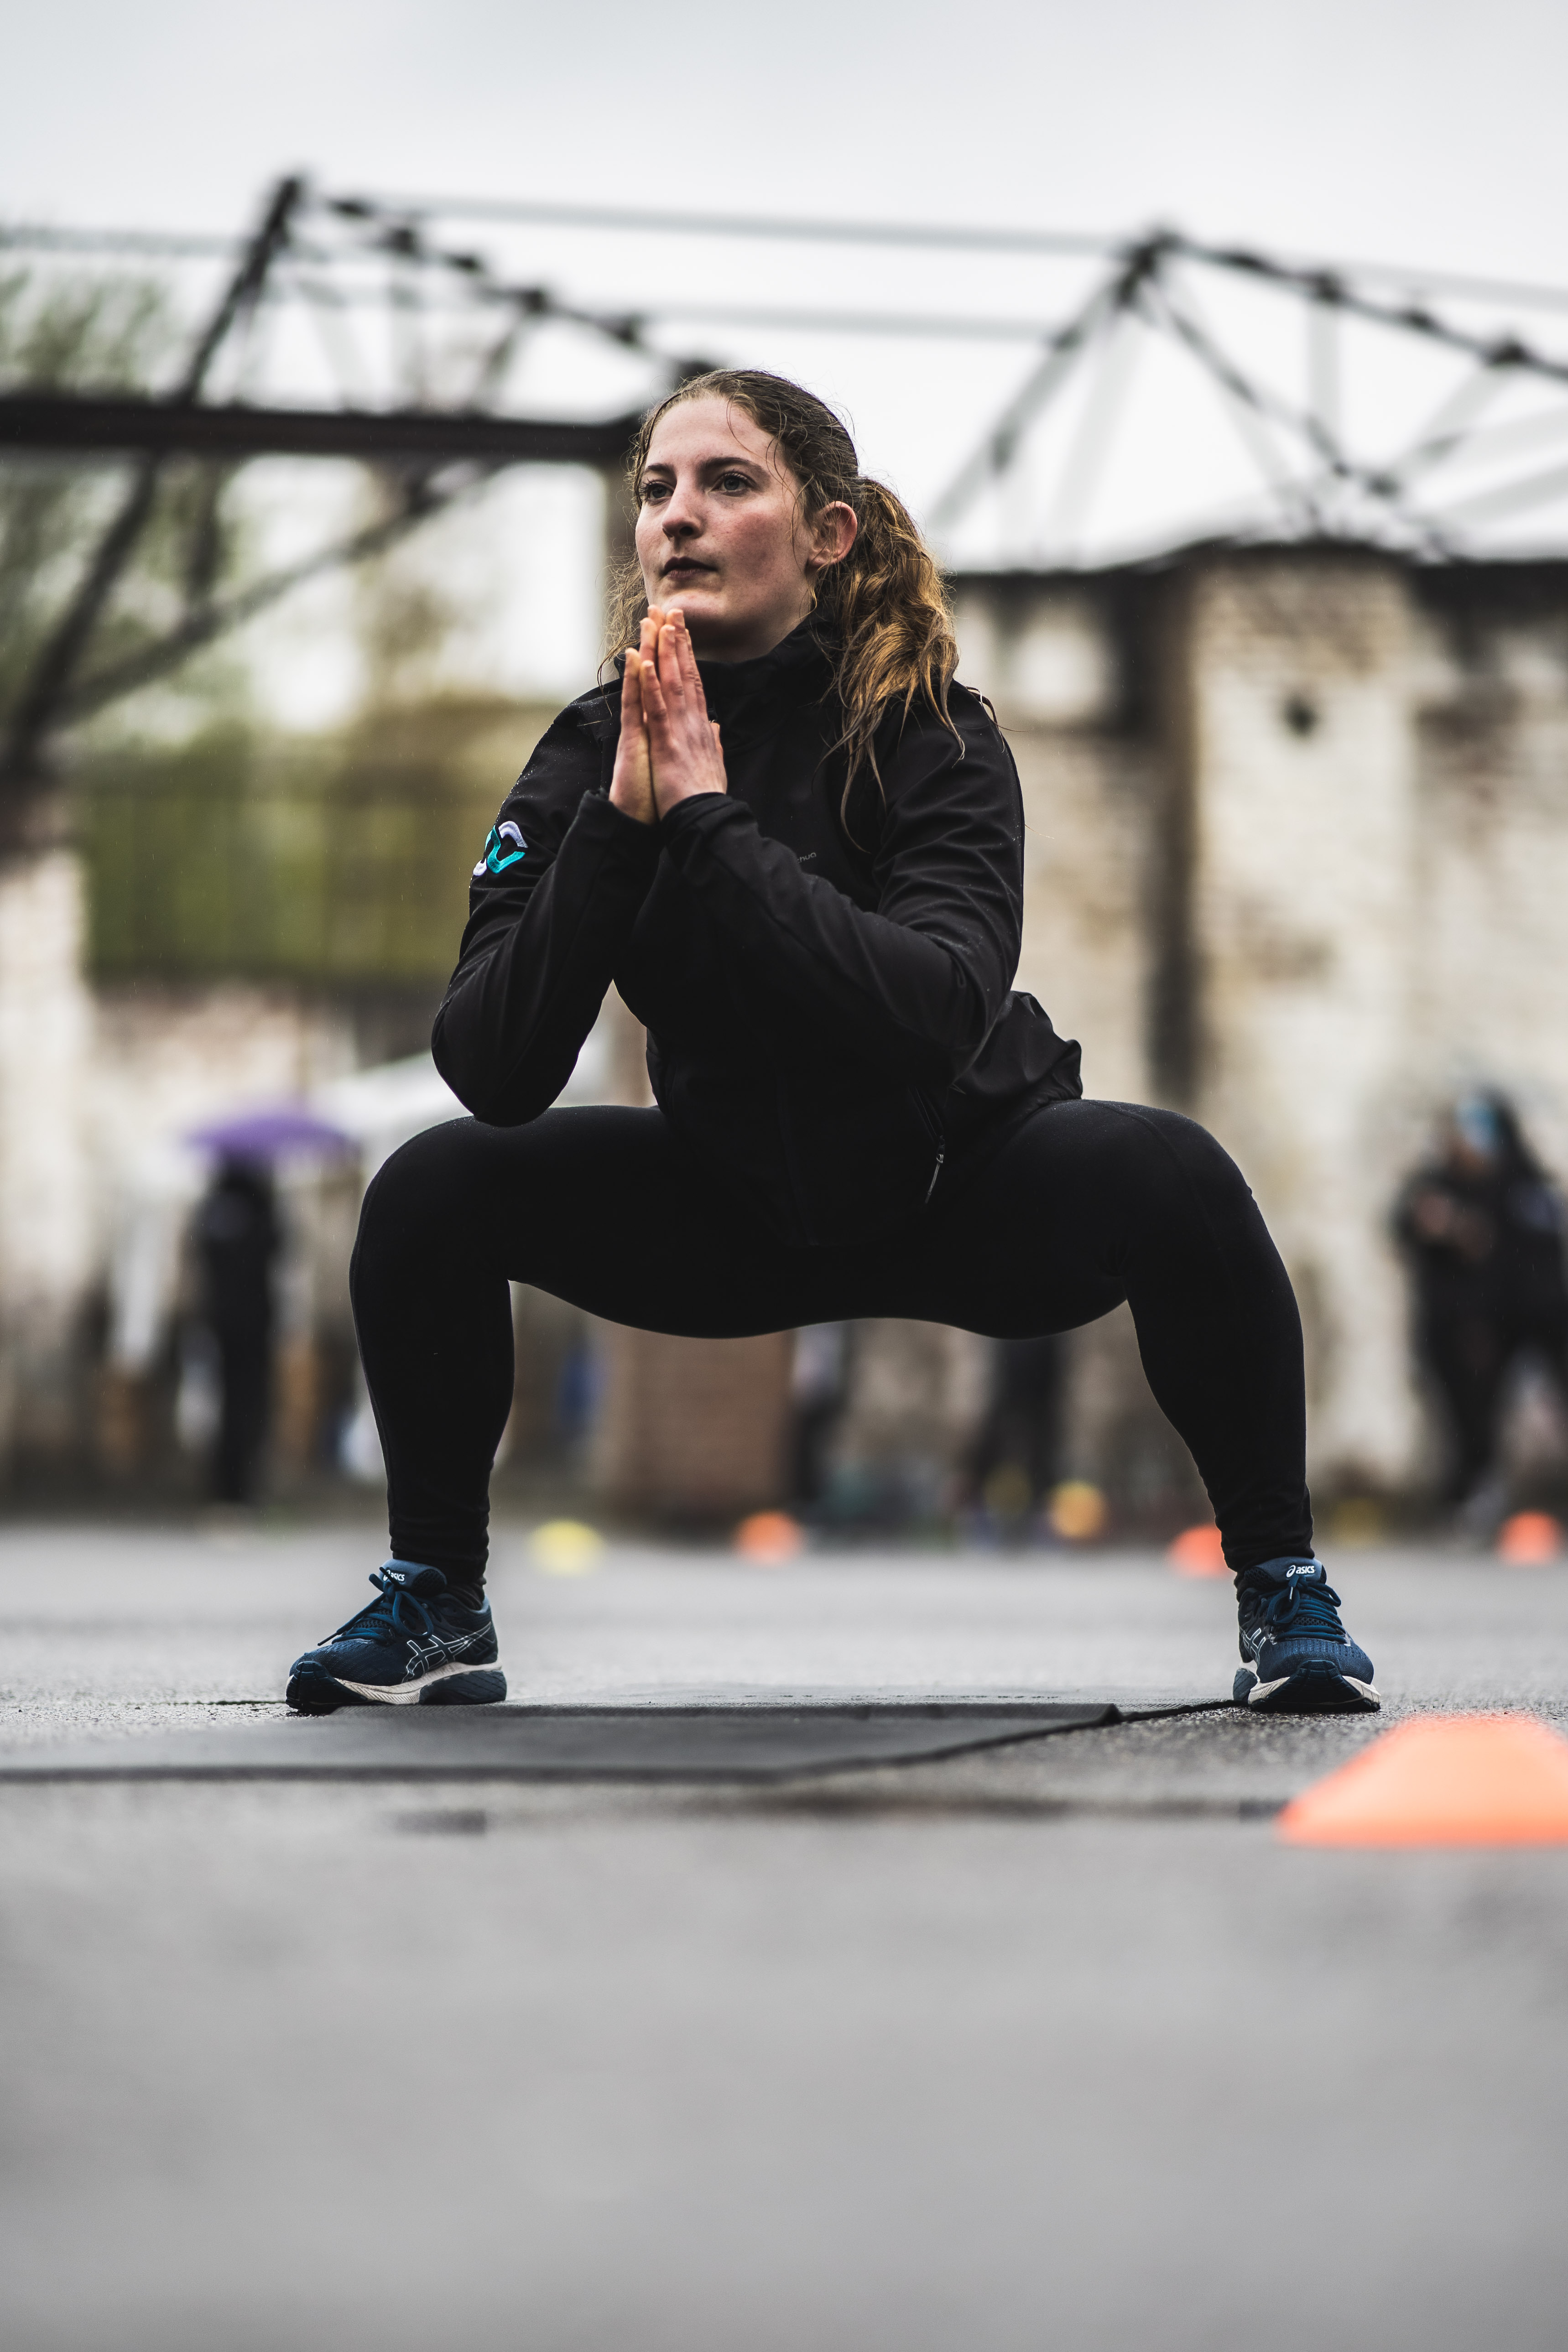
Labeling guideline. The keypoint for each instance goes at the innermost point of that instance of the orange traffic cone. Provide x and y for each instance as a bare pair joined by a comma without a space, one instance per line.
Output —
1198,1551
1529,1539
770,1538
1442,1780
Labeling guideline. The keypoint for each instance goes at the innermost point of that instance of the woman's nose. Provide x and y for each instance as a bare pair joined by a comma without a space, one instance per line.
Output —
679,517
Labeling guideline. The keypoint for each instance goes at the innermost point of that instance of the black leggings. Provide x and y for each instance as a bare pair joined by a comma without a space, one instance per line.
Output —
1086,1205
1470,1356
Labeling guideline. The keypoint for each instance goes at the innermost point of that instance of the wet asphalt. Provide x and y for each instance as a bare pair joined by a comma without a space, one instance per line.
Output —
1048,2043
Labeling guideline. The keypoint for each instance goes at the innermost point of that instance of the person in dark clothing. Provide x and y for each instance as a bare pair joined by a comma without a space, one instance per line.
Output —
795,842
1482,1227
1021,1433
237,1237
819,1390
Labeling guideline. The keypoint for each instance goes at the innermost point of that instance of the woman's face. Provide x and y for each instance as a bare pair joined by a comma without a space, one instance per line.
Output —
719,532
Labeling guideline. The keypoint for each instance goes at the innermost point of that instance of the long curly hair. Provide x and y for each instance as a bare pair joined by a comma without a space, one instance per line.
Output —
884,613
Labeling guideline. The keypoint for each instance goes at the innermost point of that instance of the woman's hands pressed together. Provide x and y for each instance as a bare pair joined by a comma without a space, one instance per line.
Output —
669,749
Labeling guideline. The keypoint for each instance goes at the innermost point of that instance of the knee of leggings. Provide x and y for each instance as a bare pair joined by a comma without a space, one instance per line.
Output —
429,1183
1172,1143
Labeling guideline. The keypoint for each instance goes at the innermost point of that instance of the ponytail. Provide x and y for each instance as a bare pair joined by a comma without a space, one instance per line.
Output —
885,617
886,608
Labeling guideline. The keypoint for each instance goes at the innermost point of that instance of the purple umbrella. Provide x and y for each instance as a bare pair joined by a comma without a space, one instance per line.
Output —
268,1134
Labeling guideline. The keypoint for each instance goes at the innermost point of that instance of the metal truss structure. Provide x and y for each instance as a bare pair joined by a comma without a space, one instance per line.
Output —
307,254
1314,480
347,326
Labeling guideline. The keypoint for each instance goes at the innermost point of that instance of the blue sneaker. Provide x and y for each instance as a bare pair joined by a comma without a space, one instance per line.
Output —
408,1647
1296,1658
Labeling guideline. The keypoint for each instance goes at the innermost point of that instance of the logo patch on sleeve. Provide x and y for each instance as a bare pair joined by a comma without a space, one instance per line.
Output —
498,856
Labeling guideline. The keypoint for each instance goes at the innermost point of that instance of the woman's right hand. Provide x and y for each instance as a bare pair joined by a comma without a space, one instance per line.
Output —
631,784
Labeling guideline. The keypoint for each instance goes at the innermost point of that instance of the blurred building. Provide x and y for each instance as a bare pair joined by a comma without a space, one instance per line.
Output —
234,922
1296,857
1297,851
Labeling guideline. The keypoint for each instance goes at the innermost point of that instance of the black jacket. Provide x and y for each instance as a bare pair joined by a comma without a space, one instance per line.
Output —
1495,1252
829,1011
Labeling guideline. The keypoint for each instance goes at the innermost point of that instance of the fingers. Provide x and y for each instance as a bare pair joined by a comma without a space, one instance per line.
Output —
647,647
631,783
652,685
660,666
632,717
678,673
676,641
665,644
684,745
688,665
671,671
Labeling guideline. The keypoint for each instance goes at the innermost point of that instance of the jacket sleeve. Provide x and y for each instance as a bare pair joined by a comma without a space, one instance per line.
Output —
551,907
918,985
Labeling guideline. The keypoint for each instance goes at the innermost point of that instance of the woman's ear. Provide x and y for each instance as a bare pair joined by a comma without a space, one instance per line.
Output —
834,533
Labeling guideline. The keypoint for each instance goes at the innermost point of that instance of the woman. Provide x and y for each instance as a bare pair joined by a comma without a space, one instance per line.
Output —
795,842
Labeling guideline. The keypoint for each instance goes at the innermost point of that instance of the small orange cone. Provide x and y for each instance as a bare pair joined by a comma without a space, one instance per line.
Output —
1078,1511
1529,1539
1198,1551
769,1539
1442,1780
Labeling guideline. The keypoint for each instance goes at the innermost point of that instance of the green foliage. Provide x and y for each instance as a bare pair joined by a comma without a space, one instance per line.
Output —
329,863
62,330
57,330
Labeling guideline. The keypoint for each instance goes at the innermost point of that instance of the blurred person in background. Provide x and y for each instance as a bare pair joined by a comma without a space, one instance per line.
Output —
237,1237
1013,1461
819,1390
1482,1227
795,842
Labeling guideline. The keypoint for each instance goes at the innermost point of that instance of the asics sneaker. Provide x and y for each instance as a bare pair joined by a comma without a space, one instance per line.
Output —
411,1647
1296,1658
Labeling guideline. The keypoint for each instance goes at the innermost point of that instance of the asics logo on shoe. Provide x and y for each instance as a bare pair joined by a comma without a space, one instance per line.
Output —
435,1649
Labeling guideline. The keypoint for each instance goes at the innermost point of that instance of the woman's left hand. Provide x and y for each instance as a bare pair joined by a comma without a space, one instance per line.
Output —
687,757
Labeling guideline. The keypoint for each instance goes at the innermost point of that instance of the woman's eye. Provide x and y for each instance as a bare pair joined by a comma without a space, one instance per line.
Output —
651,490
733,482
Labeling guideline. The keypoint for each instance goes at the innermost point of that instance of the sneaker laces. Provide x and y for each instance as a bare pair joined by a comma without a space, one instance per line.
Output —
385,1612
1304,1606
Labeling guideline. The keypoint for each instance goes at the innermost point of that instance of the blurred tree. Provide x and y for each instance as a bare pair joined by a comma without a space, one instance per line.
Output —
215,845
107,334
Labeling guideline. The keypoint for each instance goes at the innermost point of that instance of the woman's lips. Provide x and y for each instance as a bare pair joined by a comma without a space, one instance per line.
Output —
685,570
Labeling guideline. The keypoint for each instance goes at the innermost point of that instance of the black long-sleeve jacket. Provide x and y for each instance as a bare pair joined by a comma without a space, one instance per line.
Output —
829,1007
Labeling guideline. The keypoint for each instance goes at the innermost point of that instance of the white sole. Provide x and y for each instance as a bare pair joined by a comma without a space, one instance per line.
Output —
1261,1691
407,1693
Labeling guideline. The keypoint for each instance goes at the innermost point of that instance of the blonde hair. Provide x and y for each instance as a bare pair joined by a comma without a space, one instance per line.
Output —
884,610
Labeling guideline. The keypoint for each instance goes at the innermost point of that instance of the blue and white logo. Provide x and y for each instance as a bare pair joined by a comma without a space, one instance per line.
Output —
496,857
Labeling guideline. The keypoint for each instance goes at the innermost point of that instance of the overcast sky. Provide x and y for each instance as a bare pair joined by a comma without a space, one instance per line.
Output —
1428,130
1423,130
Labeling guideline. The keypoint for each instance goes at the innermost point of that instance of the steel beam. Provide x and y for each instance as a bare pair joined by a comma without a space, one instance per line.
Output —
116,424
